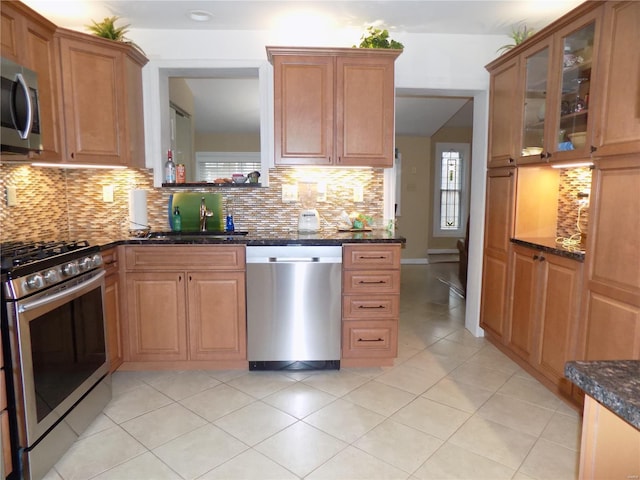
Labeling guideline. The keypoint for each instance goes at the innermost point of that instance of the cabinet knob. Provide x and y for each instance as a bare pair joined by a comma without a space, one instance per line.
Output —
536,257
511,160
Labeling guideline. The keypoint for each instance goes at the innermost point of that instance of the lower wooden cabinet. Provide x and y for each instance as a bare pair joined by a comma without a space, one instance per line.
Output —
543,321
370,304
186,304
112,306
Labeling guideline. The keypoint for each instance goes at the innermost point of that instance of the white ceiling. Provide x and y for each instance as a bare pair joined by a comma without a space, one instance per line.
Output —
414,115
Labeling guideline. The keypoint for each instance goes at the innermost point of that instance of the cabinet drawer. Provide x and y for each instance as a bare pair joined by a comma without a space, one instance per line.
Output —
386,256
110,261
371,281
181,258
367,307
362,339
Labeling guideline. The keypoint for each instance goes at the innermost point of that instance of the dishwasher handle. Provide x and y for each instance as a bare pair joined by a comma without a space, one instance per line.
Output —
294,259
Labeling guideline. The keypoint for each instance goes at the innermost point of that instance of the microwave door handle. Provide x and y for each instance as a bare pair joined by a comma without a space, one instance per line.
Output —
24,133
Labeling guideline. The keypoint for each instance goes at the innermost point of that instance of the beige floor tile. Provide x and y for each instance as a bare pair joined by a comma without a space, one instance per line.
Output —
410,379
255,422
124,381
354,464
249,465
564,430
52,475
225,375
490,357
98,453
494,441
517,414
344,420
145,466
474,374
185,384
160,426
549,461
465,337
217,402
380,398
261,384
399,445
432,362
337,383
299,400
458,395
199,451
101,423
300,448
449,348
454,463
530,390
431,417
133,403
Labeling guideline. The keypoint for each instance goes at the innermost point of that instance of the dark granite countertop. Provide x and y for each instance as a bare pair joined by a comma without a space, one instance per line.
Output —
613,383
549,245
258,238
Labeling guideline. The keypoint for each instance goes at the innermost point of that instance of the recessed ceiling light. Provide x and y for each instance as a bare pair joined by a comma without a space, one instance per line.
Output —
200,15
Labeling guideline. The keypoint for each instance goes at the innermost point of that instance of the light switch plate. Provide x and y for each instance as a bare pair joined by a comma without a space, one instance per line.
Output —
358,193
289,193
107,193
12,196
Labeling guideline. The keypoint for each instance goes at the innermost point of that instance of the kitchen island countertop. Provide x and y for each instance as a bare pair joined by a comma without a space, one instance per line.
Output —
613,383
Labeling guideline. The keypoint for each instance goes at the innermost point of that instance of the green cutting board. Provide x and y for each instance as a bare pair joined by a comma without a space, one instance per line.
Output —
189,204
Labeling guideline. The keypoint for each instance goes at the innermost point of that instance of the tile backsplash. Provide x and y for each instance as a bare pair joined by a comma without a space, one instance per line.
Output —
572,182
56,203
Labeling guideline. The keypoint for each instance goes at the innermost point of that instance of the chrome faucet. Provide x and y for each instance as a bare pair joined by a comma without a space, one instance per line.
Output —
204,213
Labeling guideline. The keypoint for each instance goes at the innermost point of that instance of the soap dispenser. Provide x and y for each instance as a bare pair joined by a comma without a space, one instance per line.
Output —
177,220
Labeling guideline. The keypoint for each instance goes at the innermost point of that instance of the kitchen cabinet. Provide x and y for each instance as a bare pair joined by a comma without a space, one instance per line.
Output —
186,306
370,304
5,437
28,39
545,303
617,129
101,83
112,308
499,220
503,107
611,304
334,106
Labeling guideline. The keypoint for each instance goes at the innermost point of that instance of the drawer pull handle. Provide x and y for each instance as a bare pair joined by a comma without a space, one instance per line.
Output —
365,257
377,282
372,340
368,308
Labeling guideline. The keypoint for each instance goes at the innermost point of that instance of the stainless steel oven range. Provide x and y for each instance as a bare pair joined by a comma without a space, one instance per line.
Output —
53,336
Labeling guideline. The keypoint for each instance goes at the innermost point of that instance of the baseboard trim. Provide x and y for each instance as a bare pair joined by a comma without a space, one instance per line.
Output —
440,251
414,261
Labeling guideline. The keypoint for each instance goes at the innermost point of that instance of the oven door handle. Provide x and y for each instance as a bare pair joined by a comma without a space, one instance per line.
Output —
96,279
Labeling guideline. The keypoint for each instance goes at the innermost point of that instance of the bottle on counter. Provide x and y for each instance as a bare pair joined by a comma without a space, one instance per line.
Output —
169,169
177,220
181,173
230,227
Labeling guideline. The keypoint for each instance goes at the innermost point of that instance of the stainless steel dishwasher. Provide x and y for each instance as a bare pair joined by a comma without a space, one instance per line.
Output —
294,307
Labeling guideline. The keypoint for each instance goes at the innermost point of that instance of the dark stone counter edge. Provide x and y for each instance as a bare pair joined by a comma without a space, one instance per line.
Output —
615,384
106,244
579,255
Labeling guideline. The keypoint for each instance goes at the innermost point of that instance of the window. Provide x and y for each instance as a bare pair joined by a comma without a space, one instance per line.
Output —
451,187
212,165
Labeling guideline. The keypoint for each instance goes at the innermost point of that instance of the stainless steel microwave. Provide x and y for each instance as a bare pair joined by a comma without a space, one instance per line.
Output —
20,131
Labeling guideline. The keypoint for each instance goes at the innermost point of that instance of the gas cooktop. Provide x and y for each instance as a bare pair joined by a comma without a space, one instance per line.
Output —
39,254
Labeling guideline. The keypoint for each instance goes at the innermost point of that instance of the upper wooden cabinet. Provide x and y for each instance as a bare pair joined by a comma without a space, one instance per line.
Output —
334,106
503,102
101,100
27,39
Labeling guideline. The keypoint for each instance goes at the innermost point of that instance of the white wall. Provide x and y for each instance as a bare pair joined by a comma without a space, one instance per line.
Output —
431,64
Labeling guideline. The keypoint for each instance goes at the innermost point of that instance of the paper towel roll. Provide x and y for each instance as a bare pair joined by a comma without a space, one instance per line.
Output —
138,210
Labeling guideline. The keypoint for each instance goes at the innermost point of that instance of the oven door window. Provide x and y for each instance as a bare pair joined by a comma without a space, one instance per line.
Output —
67,347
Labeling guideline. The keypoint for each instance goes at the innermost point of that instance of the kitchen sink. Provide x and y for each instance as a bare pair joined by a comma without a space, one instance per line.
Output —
193,235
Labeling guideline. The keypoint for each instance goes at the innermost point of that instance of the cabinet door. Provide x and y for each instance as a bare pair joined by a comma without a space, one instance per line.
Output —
618,130
112,321
365,111
10,34
217,316
524,288
498,232
612,304
560,286
304,109
156,316
92,92
504,103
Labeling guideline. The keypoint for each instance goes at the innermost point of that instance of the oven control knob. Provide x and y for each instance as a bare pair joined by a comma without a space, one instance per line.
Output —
70,269
51,276
35,282
96,260
85,264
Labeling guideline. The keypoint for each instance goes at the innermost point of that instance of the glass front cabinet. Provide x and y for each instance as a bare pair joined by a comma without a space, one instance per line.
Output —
558,72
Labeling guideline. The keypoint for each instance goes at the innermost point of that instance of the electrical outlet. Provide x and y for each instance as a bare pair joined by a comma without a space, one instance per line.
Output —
358,193
107,193
12,196
322,192
289,193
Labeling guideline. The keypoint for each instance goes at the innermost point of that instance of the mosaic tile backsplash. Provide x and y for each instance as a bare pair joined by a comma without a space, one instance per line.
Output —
56,203
572,182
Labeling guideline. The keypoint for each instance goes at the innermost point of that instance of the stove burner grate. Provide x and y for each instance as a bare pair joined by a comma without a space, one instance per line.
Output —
15,254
